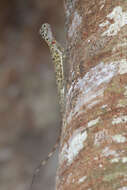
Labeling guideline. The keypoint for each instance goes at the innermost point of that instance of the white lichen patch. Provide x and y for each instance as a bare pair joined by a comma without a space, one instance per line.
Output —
120,19
93,122
69,90
123,188
104,106
101,73
82,179
102,4
108,152
88,86
121,119
124,159
115,160
104,23
75,23
94,102
69,6
88,98
101,137
100,165
119,138
123,66
63,154
95,158
75,145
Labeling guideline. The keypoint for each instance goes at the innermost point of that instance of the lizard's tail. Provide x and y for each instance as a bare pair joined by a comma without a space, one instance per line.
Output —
43,162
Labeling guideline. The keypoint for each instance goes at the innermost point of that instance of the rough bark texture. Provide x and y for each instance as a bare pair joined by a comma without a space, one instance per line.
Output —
93,152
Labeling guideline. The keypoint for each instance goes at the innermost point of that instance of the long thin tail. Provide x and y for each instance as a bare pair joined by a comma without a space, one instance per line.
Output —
44,162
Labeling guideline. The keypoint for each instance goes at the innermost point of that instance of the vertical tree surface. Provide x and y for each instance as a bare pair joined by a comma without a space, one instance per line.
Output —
93,151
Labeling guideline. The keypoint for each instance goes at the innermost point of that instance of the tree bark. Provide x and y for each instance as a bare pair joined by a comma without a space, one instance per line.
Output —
93,150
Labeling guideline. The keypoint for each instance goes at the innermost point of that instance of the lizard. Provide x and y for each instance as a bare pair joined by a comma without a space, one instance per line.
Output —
58,59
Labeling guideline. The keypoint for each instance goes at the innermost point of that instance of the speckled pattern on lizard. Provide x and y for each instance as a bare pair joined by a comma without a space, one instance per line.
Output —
58,57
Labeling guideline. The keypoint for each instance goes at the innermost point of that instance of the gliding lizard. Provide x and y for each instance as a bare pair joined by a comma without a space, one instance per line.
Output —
58,57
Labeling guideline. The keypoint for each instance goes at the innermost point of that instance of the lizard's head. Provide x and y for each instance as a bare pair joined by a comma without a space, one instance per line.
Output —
45,32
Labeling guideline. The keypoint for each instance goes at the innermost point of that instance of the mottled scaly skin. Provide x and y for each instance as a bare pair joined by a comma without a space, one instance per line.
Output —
58,57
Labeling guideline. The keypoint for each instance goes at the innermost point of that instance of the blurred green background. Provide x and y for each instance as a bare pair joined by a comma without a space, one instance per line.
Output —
29,111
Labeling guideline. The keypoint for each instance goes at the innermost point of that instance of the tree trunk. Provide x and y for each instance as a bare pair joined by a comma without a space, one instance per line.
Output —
93,150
